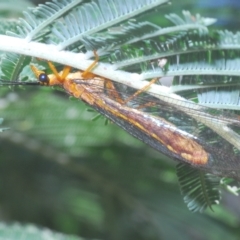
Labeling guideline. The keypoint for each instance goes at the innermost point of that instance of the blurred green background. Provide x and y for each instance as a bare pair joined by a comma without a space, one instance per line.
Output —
61,170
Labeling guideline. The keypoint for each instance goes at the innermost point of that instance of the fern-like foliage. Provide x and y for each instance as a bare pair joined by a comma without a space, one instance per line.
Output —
12,65
36,19
8,24
200,189
94,17
116,37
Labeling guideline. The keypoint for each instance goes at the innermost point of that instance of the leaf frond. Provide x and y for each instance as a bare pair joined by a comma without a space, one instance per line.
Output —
188,54
135,32
8,25
118,36
220,97
200,189
36,19
12,65
162,46
188,18
94,17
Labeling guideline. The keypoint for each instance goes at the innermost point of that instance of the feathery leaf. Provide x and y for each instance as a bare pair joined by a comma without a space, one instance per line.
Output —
36,19
200,189
12,65
97,16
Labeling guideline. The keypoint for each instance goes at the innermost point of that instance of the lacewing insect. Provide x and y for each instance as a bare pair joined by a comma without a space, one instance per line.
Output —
161,125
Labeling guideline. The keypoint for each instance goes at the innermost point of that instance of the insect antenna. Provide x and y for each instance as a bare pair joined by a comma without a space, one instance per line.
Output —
17,83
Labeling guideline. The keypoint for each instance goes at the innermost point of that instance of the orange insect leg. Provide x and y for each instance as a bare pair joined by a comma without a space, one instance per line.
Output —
64,74
87,73
140,90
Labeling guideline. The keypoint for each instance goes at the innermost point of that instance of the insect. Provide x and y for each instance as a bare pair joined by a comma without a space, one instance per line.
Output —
167,128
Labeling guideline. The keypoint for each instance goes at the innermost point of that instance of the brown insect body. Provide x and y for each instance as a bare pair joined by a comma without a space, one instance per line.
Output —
167,137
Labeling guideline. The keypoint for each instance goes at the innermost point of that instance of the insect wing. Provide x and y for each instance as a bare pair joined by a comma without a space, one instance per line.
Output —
215,130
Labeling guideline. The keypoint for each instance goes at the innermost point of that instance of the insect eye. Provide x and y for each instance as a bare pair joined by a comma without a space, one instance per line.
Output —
43,79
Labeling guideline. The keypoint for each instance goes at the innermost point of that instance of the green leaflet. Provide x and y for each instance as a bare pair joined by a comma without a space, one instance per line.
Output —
199,189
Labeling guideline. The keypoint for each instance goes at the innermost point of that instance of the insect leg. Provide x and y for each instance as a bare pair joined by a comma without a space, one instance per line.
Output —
87,73
140,91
